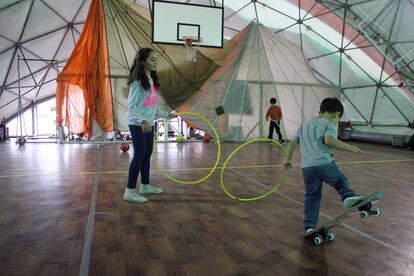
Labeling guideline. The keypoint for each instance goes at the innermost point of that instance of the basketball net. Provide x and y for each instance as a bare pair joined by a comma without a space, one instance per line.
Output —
191,52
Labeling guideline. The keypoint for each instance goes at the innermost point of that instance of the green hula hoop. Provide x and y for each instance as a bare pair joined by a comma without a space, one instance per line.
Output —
278,183
218,152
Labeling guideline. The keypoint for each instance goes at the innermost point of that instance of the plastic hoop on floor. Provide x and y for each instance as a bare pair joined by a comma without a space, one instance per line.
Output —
278,183
215,164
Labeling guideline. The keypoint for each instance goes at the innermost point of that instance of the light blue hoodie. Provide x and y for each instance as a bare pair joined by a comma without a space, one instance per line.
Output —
142,105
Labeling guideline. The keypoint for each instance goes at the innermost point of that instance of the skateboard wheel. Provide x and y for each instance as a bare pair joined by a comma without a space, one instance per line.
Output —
364,214
377,212
331,236
318,240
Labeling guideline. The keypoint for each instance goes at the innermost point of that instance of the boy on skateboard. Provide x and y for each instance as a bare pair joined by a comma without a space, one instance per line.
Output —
316,137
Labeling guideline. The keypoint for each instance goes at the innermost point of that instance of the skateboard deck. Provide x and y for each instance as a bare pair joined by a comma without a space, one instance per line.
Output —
322,233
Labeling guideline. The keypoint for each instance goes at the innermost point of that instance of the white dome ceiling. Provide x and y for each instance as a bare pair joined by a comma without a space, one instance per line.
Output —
42,33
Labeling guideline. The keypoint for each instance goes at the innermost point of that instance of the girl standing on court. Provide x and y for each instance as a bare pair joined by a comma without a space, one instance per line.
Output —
141,112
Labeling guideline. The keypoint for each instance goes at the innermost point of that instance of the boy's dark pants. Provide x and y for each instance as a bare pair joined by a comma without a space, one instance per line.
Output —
143,143
274,125
313,178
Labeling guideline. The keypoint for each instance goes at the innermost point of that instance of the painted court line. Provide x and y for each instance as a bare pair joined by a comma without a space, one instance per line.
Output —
350,227
373,147
202,168
87,244
86,251
380,176
385,244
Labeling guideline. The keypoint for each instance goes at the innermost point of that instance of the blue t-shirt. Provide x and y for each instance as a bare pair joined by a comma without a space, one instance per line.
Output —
310,135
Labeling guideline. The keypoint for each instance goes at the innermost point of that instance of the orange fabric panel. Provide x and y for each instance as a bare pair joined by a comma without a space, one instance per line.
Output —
235,43
70,107
87,71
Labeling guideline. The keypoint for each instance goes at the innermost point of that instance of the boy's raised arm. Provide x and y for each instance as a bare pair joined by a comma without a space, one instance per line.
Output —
333,142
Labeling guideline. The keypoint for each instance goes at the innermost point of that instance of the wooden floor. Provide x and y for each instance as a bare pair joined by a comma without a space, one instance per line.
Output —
62,213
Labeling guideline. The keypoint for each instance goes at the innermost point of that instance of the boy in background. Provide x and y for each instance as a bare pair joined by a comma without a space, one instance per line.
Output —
274,113
316,137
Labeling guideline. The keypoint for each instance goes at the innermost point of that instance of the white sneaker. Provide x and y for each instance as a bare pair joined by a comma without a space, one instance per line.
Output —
132,196
148,189
351,201
309,230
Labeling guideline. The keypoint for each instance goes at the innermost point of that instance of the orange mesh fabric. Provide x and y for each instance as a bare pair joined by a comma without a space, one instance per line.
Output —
83,87
225,57
232,49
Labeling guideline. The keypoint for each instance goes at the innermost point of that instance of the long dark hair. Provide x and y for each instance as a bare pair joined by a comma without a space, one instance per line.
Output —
137,71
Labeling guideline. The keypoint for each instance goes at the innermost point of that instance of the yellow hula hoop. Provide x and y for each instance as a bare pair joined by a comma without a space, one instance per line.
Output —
278,183
218,152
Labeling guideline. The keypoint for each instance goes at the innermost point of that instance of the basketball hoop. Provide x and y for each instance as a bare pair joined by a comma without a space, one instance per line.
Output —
191,51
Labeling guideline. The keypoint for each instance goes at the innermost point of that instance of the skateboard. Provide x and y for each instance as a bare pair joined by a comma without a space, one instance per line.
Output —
322,233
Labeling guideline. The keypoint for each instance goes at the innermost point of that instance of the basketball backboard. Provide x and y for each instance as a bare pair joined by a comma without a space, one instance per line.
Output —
173,21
